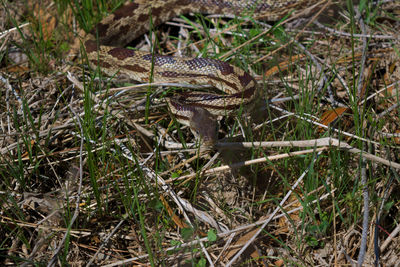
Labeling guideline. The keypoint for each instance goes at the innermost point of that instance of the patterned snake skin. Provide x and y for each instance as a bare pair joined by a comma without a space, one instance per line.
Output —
195,109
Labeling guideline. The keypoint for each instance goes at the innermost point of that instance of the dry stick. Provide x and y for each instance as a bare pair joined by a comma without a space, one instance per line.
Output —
37,226
364,235
364,182
387,1
227,244
181,164
384,113
346,34
76,212
392,235
247,163
6,32
5,42
327,141
385,88
322,142
325,126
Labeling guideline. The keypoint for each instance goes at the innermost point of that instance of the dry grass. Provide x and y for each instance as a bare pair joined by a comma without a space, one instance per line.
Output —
93,170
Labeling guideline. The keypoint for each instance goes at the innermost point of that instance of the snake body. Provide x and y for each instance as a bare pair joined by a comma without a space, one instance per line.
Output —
196,109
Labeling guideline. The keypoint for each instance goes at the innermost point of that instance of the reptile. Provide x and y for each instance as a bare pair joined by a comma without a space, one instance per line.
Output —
105,43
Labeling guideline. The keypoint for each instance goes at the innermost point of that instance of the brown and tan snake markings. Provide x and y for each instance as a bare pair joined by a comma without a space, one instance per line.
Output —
194,109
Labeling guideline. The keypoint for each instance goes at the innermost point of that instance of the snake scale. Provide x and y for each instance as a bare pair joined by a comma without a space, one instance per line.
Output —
104,48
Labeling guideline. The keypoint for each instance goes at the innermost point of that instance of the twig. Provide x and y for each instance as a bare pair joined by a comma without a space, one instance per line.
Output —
323,142
346,34
248,163
392,86
384,113
364,182
364,234
37,226
325,126
392,235
5,33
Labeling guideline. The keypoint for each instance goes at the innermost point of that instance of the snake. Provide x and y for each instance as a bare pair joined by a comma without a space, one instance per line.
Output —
104,46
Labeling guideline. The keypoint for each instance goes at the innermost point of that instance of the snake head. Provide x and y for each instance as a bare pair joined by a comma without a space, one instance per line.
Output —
204,124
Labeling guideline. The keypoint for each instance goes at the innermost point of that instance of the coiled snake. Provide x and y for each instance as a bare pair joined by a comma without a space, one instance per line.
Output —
195,109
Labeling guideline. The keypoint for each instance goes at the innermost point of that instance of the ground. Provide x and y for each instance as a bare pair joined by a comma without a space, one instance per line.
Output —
94,169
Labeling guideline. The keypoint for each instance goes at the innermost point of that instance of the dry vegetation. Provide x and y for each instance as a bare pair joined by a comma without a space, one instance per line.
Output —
94,170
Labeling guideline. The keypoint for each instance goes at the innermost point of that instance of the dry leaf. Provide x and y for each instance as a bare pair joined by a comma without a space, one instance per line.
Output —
25,155
331,115
46,20
236,246
294,216
17,69
397,139
175,218
283,65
